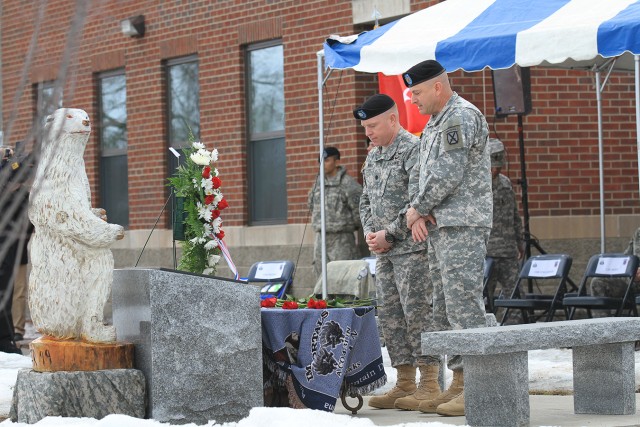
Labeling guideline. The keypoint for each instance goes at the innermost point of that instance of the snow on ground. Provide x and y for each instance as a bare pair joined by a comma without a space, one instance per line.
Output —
549,371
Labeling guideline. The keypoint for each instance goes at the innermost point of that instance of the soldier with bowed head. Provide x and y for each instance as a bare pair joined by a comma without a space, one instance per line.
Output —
402,270
454,197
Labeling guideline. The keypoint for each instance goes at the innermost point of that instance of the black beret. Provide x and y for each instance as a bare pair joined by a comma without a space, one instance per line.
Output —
373,106
330,151
425,70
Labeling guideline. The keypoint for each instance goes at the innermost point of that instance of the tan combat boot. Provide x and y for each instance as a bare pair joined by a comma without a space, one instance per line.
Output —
428,388
456,387
453,408
405,386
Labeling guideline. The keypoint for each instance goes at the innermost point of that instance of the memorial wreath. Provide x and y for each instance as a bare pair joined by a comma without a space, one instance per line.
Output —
197,183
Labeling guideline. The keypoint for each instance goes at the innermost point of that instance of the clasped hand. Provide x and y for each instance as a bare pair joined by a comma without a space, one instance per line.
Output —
418,224
377,242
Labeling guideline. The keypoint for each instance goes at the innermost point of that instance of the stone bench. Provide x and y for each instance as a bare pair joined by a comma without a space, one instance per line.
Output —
496,373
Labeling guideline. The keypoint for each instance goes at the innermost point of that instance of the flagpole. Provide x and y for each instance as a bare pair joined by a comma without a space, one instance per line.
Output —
320,56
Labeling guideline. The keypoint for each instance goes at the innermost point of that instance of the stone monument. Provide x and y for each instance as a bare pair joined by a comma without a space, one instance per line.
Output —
78,368
198,341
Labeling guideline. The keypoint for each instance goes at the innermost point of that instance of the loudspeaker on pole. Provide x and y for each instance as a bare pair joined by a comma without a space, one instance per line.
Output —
512,91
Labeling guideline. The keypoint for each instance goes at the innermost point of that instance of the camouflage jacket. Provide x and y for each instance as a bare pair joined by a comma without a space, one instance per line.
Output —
634,244
506,233
455,168
385,194
341,208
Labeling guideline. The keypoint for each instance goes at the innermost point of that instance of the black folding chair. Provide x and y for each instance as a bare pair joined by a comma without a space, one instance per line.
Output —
274,277
549,267
488,297
606,266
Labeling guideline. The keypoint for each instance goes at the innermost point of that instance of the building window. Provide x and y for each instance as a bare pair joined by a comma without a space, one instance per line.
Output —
184,101
266,145
183,91
114,180
48,100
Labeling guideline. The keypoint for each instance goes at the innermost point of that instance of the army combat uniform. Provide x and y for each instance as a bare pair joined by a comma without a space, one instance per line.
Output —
402,273
505,239
342,218
616,287
455,187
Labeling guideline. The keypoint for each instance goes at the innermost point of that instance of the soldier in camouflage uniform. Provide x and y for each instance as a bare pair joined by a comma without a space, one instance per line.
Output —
506,245
402,271
616,287
454,196
341,212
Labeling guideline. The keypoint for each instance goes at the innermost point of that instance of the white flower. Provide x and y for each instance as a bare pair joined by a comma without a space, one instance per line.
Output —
207,271
207,184
213,260
216,225
214,156
211,244
218,197
198,240
195,183
200,159
207,229
204,212
198,145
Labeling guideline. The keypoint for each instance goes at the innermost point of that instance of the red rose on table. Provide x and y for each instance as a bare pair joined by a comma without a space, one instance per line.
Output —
222,204
217,182
220,235
321,304
215,213
209,199
311,303
290,305
206,172
268,302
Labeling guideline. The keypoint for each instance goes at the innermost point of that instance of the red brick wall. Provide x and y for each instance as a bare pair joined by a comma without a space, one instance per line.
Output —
561,140
560,134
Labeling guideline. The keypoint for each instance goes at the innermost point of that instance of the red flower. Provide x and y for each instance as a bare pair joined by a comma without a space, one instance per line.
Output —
222,204
217,182
316,303
290,305
206,172
215,213
268,302
220,235
209,199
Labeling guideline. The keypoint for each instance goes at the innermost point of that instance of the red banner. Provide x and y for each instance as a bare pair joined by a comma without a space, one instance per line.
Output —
410,117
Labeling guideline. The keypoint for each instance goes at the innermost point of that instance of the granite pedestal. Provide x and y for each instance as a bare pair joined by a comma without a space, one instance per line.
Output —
197,340
496,366
93,394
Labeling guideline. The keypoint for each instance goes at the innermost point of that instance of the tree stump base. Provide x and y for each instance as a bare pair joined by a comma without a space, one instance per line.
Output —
49,354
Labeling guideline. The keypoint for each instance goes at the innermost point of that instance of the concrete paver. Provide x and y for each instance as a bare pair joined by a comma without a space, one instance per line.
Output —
544,411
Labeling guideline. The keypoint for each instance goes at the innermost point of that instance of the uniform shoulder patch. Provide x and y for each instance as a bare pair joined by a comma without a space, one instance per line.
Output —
452,137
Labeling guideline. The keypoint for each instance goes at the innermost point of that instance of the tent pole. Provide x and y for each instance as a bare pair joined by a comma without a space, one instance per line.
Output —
600,161
637,69
320,56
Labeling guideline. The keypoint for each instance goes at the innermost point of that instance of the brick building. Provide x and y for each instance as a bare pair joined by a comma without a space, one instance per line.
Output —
242,76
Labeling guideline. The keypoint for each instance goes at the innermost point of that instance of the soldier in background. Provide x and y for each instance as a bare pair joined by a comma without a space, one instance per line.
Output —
616,287
10,194
341,212
402,265
506,245
454,196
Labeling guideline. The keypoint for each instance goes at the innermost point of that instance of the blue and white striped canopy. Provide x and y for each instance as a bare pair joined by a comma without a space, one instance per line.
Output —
475,34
